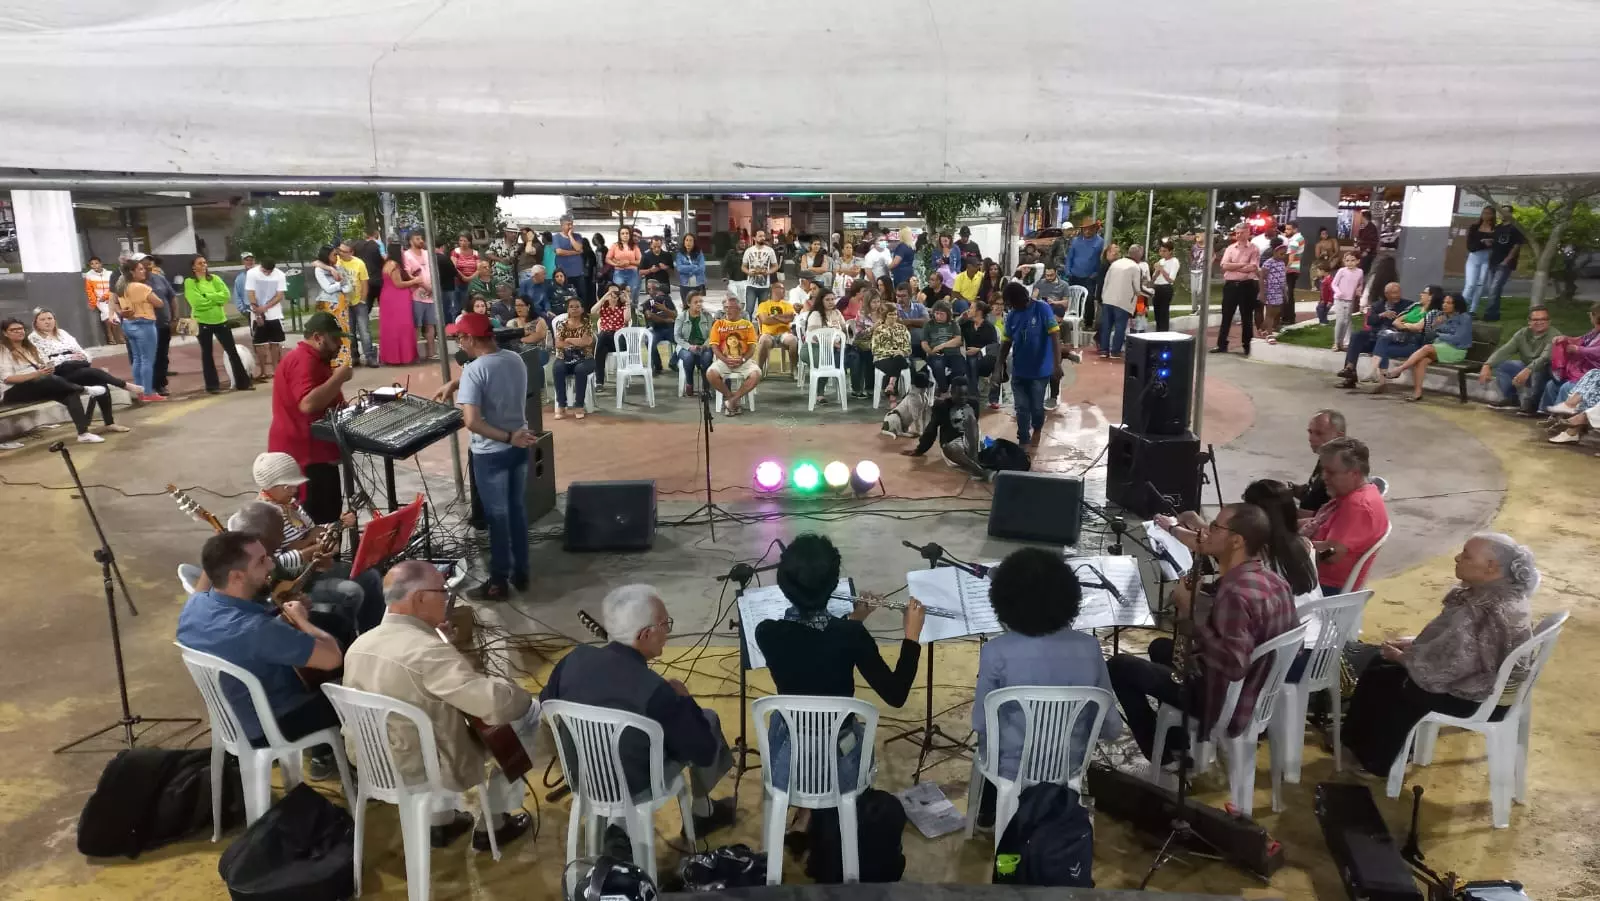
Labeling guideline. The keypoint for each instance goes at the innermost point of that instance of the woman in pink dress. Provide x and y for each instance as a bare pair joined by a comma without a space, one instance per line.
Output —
397,336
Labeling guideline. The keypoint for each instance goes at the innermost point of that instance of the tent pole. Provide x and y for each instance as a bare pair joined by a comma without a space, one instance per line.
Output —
688,223
1111,216
1197,412
831,227
444,349
1149,217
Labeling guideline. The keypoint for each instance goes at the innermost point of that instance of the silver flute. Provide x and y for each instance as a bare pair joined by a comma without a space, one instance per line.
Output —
894,605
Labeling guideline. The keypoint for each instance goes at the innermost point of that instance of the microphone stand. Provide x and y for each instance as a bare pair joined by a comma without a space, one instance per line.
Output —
108,571
929,735
742,573
710,507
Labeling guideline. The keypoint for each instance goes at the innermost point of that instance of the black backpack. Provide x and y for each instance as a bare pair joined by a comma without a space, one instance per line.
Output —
730,866
302,849
1049,840
148,797
1002,455
880,821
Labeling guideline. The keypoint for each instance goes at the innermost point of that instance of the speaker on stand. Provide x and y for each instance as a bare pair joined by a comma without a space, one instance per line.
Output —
1157,383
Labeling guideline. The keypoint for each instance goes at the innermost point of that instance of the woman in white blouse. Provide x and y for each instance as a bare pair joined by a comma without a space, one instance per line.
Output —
26,377
61,350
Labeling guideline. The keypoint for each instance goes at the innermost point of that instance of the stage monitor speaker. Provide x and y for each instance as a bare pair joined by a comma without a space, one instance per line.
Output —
1169,463
1369,861
611,516
534,406
1158,383
540,495
1036,506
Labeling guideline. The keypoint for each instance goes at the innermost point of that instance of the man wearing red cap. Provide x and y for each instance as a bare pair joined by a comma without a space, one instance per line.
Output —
306,387
492,392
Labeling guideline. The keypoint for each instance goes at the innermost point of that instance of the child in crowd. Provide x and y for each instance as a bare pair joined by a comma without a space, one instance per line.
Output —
1273,284
1346,288
1324,293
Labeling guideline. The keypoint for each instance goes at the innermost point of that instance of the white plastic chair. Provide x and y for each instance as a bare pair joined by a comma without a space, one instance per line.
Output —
589,388
599,783
825,347
1077,296
633,361
1337,621
1050,717
878,378
188,575
1506,740
1382,485
1358,575
814,727
683,378
366,718
1240,751
733,382
228,737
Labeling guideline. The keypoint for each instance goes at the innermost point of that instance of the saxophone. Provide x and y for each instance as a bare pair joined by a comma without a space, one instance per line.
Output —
1183,644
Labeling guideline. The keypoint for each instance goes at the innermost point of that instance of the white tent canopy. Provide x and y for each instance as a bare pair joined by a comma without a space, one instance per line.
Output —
824,94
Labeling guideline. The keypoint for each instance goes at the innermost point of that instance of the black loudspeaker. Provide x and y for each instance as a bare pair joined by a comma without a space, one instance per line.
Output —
1369,860
611,516
534,407
540,495
1036,506
1157,383
1150,474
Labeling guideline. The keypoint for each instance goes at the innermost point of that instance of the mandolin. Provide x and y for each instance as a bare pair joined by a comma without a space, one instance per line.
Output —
593,626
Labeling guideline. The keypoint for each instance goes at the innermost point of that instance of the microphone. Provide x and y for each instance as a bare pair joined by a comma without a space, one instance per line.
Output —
930,551
933,553
1104,582
744,572
1162,498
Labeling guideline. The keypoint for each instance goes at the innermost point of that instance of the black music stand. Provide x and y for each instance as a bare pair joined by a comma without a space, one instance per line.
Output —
743,573
930,736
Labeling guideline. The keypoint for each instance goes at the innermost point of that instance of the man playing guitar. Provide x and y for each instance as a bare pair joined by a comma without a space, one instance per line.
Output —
406,658
227,619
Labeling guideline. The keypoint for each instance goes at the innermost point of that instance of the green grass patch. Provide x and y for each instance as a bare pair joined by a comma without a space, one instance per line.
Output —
1570,318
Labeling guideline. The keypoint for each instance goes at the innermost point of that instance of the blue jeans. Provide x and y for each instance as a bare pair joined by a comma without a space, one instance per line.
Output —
1554,391
1029,397
849,753
1498,276
691,361
1113,328
858,360
1508,370
1391,349
361,332
629,278
1477,277
659,335
946,363
454,300
502,482
141,335
753,296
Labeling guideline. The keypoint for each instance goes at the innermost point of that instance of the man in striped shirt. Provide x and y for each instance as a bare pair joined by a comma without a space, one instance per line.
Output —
1249,606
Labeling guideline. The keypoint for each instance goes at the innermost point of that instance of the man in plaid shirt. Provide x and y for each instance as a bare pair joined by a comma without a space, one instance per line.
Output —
1249,605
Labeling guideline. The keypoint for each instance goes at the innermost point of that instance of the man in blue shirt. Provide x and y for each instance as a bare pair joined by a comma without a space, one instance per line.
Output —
904,256
1083,262
535,289
239,302
569,259
492,393
1033,340
229,620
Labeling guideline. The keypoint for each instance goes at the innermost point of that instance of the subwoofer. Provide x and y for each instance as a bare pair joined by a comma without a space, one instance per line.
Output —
1036,506
611,516
1157,383
540,495
534,408
1150,474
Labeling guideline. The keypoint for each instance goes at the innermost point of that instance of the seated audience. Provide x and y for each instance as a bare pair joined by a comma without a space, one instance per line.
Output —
692,336
1052,289
970,280
574,351
776,316
1521,366
913,315
661,316
1452,664
618,675
825,315
1452,338
535,330
503,309
941,344
1380,316
1408,331
1353,519
1571,418
1250,606
863,313
1035,595
615,312
1570,358
26,376
937,290
1325,425
891,348
810,652
229,620
561,291
405,658
981,344
537,290
59,349
733,340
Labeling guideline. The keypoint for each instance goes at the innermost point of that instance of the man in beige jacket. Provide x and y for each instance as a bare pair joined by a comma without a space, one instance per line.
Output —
405,658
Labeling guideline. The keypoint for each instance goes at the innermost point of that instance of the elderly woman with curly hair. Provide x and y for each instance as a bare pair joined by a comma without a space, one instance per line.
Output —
1451,666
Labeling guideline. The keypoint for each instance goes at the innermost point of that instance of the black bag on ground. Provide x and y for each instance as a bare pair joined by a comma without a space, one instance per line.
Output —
1002,454
148,797
302,849
880,821
1049,840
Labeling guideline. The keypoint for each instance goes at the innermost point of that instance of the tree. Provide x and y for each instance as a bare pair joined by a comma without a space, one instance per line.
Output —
624,205
1176,212
293,231
940,211
452,213
1547,213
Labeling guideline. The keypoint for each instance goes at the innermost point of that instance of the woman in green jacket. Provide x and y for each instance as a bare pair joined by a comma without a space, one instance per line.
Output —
208,297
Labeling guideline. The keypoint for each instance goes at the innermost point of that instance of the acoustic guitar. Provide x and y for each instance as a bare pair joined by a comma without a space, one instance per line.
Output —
502,742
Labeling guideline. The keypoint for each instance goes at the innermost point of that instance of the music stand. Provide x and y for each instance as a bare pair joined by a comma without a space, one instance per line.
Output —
386,536
930,734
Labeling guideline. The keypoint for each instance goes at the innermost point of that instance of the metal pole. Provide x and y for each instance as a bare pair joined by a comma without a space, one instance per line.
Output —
1094,201
688,222
444,349
1111,216
1197,411
1149,217
832,225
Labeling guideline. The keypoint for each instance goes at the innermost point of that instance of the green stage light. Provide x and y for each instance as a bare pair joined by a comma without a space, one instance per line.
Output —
806,478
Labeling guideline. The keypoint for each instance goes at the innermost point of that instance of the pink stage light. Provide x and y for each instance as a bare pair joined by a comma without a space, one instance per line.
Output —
769,475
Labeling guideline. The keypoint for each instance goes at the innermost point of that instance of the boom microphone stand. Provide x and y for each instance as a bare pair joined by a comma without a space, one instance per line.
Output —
108,569
710,507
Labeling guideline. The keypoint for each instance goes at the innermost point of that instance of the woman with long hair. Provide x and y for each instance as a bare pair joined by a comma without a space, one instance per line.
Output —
623,258
690,263
333,285
1289,555
397,303
1480,245
1405,331
847,265
816,263
947,259
863,311
993,282
208,297
574,356
1452,338
614,313
26,377
138,303
59,349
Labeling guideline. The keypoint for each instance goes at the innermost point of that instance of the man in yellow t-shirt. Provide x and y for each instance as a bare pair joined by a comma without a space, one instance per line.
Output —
732,338
970,279
352,311
775,316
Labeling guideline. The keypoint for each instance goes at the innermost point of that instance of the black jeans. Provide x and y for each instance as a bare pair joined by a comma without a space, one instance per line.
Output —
1286,315
892,366
1385,707
1162,304
313,714
1136,680
604,345
1238,297
208,367
80,373
159,370
64,392
324,499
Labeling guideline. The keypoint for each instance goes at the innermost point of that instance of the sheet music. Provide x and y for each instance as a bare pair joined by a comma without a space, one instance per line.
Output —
757,605
957,591
1100,609
1165,541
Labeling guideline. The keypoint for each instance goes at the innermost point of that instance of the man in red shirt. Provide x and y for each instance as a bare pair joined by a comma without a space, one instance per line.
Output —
305,387
1352,521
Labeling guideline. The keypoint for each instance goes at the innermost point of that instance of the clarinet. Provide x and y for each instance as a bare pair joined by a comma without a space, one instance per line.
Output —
1183,643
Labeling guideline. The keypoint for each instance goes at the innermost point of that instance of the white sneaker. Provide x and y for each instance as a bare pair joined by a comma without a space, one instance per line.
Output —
10,445
1566,438
1565,408
90,437
94,390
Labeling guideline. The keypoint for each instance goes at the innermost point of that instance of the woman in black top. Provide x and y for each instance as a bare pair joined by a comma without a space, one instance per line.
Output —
810,652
